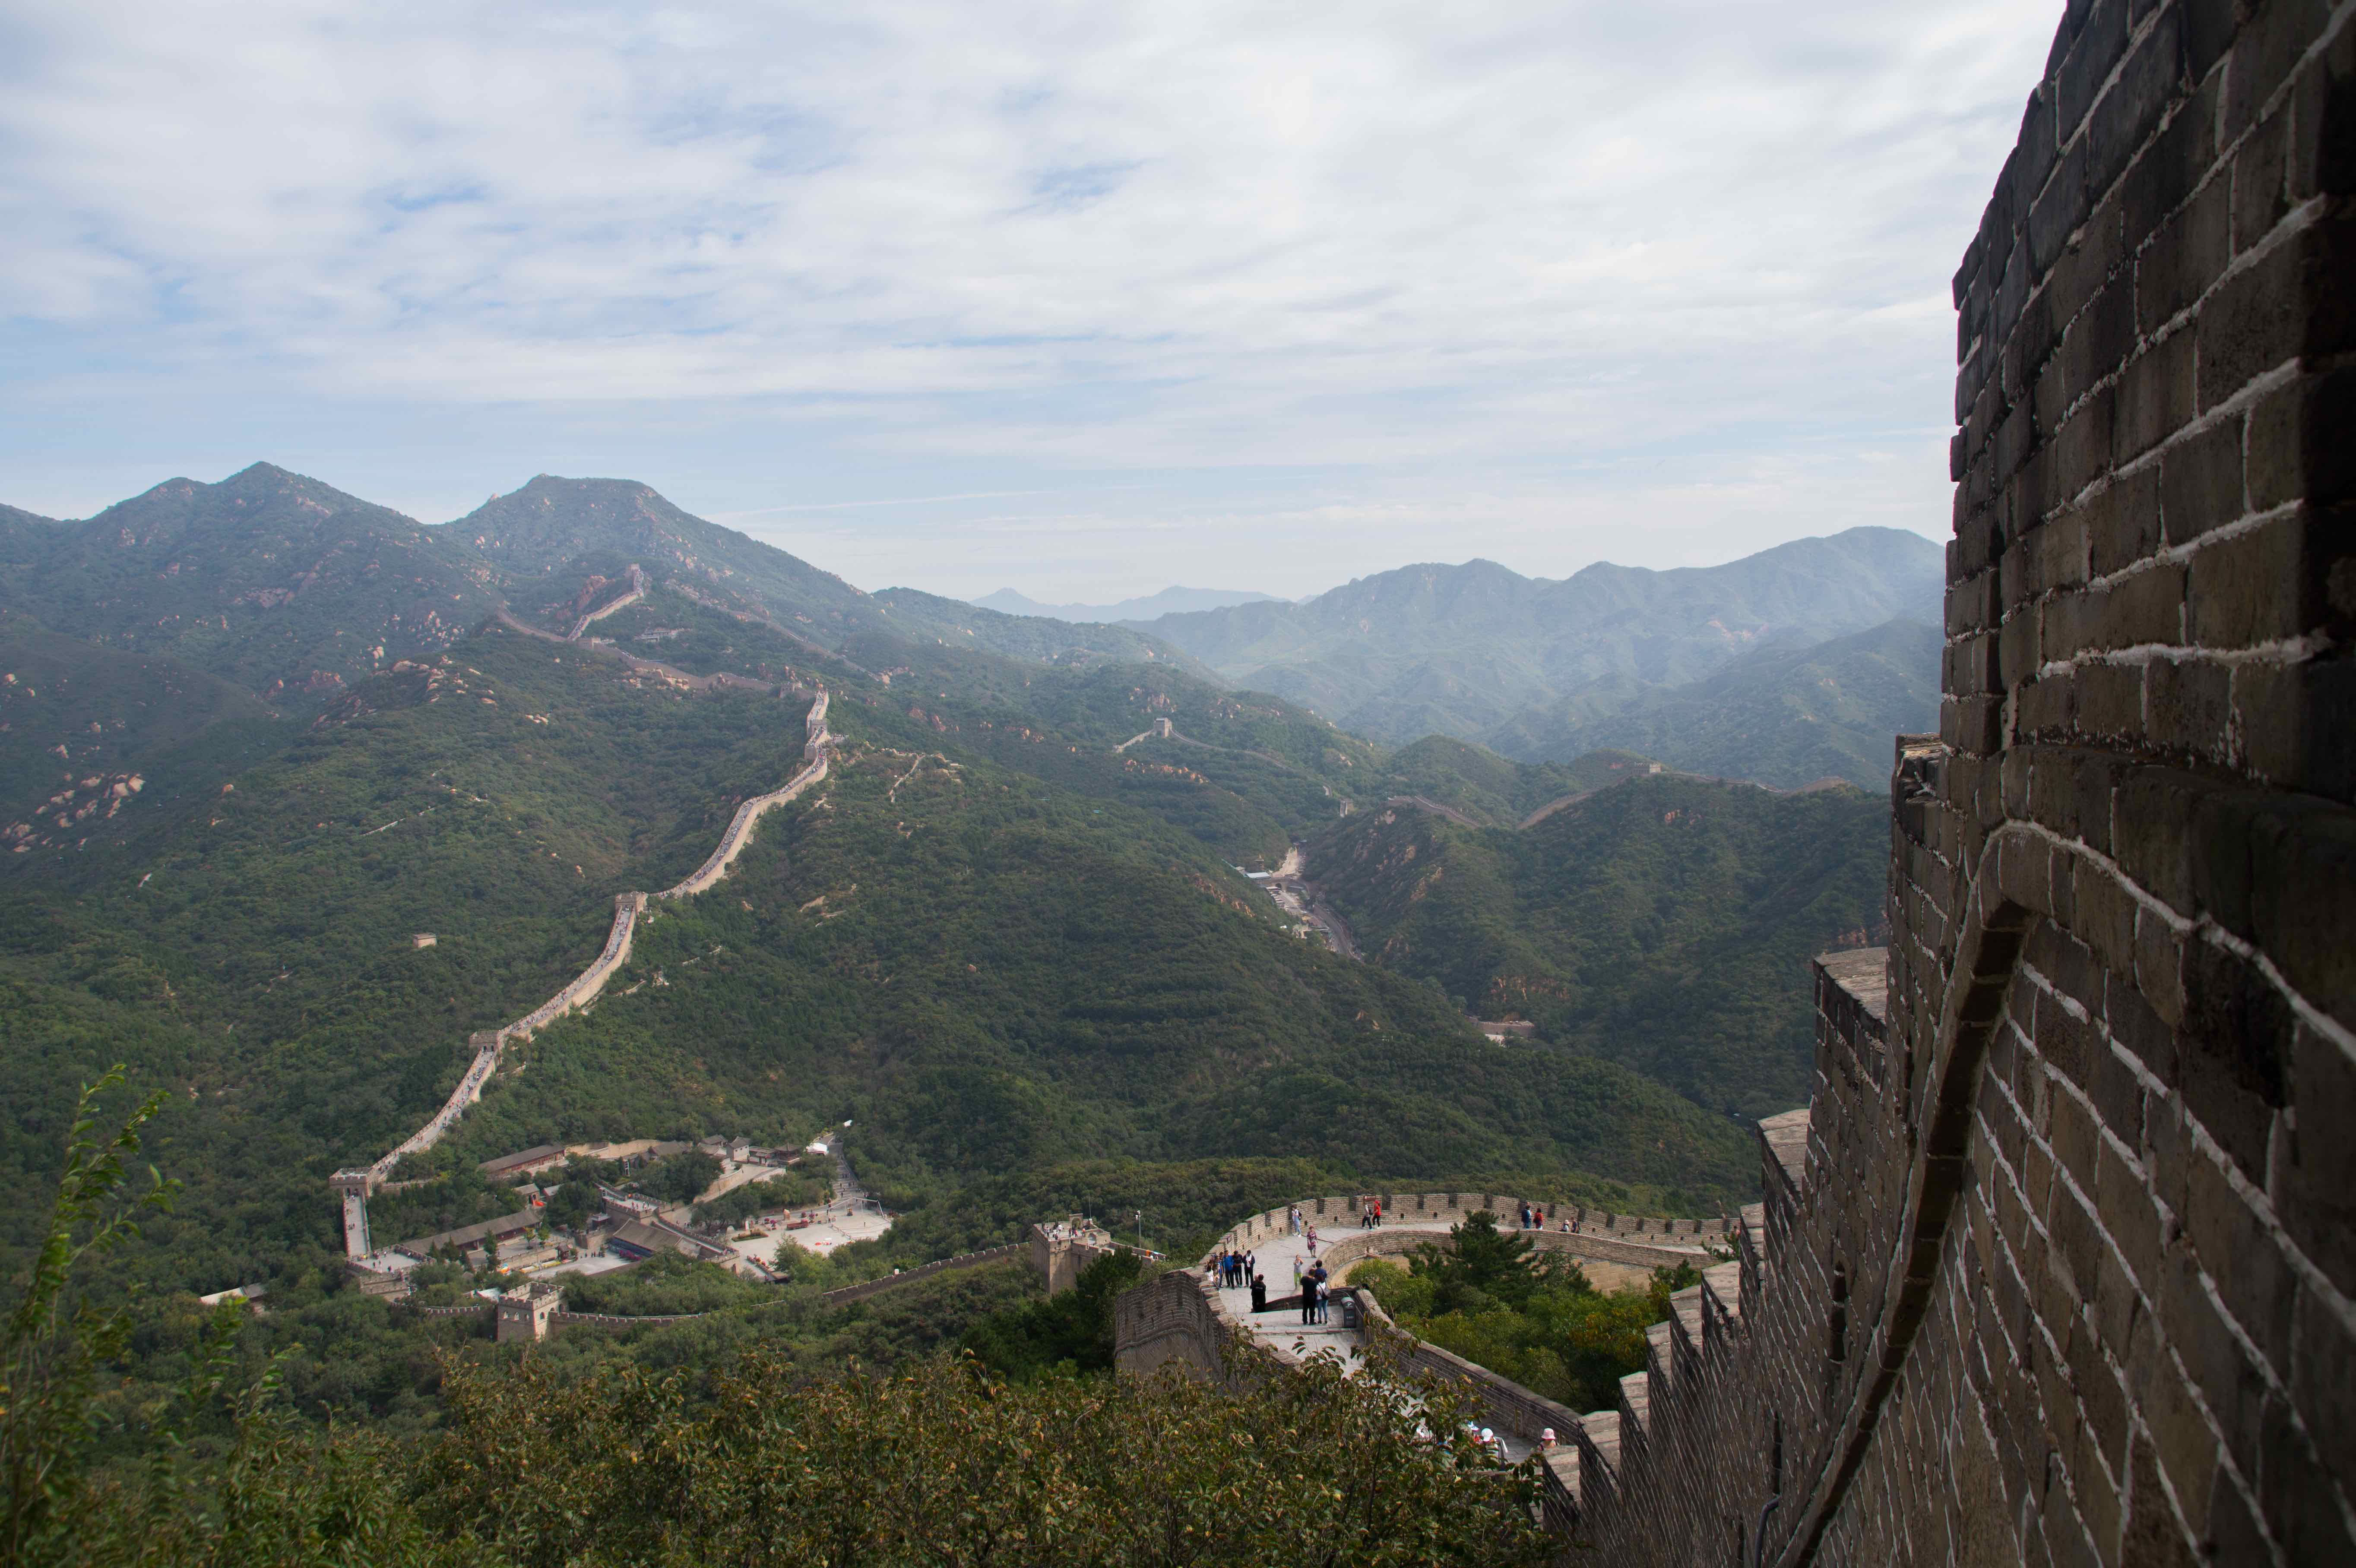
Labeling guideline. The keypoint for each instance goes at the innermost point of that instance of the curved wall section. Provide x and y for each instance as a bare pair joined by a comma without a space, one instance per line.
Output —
2057,1266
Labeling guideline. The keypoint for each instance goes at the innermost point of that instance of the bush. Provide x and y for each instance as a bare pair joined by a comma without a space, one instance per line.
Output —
1535,1319
793,1189
1064,1335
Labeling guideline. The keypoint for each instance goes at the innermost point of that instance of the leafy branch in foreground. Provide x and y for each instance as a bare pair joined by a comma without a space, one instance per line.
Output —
56,1339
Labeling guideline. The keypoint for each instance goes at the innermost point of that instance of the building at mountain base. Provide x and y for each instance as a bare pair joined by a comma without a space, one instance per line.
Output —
2059,1264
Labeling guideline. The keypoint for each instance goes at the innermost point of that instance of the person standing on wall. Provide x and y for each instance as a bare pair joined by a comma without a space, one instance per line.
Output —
1260,1294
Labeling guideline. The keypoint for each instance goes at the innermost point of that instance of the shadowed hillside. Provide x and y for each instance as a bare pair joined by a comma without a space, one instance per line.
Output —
1479,653
1665,922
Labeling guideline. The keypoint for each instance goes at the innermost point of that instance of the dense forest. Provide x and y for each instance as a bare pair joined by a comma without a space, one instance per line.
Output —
1006,956
1664,923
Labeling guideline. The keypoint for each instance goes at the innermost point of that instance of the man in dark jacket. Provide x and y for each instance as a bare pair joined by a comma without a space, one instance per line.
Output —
1260,1294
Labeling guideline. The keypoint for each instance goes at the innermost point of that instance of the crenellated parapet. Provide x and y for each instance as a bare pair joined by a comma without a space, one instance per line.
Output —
2057,1266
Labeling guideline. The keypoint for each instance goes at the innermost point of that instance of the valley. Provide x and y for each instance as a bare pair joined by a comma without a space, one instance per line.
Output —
1023,914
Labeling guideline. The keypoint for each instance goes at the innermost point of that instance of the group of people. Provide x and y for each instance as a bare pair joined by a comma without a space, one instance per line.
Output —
1370,1213
1534,1218
1237,1271
1315,1305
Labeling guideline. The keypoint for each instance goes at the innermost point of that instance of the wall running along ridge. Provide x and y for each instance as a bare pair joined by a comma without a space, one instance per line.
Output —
353,1185
636,591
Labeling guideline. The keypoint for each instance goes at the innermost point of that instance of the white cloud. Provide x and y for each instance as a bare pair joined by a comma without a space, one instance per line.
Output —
1101,239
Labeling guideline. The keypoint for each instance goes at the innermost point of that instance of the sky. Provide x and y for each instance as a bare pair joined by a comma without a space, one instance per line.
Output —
1085,300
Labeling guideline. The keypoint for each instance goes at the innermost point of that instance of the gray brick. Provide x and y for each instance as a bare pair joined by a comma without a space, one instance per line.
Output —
2275,466
2252,587
2264,55
2143,608
2260,182
2151,78
2235,1043
2252,323
2200,482
2110,702
2323,143
2167,171
2315,1184
2185,256
2090,60
2190,705
2123,522
2155,393
2060,208
2303,902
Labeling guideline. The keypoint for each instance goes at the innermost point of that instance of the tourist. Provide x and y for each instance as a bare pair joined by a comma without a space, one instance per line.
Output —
1540,1218
1525,1216
1251,1265
1378,1214
1318,1277
1294,1219
1308,1299
1566,1227
1260,1294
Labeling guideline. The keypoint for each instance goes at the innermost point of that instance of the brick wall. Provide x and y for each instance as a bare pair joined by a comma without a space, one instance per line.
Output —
2058,1265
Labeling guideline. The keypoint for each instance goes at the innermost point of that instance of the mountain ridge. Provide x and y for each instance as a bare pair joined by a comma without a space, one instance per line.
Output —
1146,607
1480,653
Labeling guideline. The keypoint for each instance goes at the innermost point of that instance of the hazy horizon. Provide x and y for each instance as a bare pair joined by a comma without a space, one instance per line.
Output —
926,291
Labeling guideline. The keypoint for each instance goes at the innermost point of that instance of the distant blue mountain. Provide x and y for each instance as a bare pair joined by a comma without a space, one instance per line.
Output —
1169,602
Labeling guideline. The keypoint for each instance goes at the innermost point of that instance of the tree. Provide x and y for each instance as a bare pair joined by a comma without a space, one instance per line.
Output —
1483,1264
56,1339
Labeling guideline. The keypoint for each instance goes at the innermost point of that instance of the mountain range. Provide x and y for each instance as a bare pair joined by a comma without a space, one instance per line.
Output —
1787,666
259,739
1169,602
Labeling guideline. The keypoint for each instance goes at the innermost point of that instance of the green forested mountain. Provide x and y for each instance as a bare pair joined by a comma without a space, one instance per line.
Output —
286,586
292,589
1482,653
88,734
1005,941
990,970
1782,716
553,528
1664,923
1493,791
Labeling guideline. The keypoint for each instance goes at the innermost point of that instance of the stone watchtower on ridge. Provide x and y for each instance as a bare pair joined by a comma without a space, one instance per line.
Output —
1060,1249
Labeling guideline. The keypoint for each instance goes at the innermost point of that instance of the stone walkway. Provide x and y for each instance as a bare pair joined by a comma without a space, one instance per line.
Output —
1282,1328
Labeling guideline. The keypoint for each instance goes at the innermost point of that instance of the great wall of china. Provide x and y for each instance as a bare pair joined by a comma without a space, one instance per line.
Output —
354,1185
2059,1264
